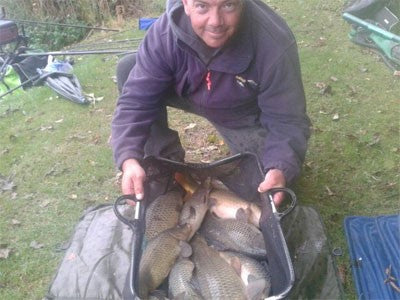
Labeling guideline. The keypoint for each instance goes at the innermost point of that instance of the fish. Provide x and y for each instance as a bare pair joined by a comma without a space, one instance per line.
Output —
160,255
195,208
158,295
187,182
180,281
255,275
163,213
227,205
233,235
215,277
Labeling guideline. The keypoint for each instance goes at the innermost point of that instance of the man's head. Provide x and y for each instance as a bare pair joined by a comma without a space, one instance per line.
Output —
214,21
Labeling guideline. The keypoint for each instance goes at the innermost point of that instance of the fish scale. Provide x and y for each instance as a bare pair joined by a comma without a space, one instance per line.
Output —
233,235
163,213
216,279
159,257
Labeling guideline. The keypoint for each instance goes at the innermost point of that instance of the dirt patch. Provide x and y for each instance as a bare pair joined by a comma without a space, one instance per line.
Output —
199,138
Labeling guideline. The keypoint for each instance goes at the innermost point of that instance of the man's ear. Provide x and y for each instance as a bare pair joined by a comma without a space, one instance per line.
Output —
186,6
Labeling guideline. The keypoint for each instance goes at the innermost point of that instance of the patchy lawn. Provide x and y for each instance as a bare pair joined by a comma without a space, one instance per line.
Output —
55,160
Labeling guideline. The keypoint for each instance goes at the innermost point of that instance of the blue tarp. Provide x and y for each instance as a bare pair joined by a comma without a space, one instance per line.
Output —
374,245
145,23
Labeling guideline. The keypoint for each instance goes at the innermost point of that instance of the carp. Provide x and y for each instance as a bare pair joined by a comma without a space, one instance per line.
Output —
233,235
195,208
180,281
163,213
216,279
160,255
227,205
255,276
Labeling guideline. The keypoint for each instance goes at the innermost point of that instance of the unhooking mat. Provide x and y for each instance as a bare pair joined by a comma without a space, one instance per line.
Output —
97,260
374,245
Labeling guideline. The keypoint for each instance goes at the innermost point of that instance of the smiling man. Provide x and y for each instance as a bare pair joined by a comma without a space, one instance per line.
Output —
234,62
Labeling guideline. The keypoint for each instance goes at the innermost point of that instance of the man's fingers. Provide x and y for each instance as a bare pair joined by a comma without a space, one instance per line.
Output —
127,185
138,187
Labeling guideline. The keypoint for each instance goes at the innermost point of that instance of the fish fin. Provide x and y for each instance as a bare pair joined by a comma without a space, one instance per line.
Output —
236,265
217,245
242,214
255,289
186,249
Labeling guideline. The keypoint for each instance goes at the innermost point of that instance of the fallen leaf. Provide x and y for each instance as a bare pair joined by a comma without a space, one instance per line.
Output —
320,85
4,253
190,126
334,79
44,204
59,121
6,184
36,245
335,117
5,151
44,128
396,73
375,140
330,193
211,148
74,196
15,222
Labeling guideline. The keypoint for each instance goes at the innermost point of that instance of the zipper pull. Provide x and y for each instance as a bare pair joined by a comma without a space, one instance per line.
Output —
208,80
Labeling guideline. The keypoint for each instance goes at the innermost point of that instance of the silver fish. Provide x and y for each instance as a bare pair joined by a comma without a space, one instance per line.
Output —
233,235
180,281
216,279
163,213
159,257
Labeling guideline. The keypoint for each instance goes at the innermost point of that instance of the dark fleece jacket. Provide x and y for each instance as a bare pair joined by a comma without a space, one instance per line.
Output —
255,78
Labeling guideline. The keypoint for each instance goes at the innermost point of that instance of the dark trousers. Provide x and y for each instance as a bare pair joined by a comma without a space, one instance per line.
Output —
164,142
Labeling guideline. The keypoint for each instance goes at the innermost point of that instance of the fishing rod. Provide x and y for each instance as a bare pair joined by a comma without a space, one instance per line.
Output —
60,24
133,41
55,53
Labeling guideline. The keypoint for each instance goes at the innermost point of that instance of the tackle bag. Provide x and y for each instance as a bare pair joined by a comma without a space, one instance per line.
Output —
97,262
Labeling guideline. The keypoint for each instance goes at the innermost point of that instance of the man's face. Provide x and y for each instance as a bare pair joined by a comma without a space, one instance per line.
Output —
214,21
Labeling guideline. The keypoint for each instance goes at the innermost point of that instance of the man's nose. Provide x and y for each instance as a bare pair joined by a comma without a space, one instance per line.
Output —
216,18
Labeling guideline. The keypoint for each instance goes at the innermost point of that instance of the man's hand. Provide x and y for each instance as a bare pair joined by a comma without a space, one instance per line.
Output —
273,179
133,177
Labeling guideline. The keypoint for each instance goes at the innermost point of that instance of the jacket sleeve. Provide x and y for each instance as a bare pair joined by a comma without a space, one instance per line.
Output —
283,114
140,101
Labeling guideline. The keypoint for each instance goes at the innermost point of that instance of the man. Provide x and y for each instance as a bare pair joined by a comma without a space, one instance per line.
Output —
234,62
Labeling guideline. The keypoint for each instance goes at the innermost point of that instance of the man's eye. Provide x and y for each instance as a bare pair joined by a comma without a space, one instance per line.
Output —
200,7
229,6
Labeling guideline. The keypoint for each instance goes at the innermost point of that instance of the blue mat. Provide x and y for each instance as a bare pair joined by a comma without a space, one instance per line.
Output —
374,245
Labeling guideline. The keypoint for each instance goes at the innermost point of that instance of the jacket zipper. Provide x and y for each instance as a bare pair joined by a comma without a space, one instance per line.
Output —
208,79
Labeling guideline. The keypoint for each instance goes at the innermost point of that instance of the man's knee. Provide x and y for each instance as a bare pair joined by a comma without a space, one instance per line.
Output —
124,67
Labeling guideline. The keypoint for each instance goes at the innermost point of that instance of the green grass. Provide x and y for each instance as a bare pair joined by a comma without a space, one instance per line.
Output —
57,152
